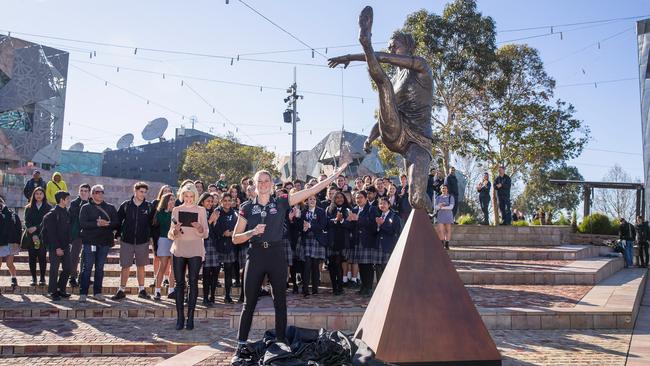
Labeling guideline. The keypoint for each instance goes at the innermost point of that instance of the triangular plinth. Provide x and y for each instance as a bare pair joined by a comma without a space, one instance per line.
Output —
421,313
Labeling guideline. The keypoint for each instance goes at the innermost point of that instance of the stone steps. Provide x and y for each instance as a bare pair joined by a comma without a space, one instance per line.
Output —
612,304
477,235
83,360
561,252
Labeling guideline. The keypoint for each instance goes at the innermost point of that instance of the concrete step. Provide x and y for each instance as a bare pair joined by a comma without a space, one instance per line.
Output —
560,252
83,360
612,304
478,235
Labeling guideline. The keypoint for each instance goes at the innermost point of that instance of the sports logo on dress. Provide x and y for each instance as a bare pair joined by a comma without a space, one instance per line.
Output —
273,211
256,210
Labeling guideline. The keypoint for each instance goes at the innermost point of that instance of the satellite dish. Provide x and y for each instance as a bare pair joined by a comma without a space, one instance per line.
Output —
107,149
77,147
125,141
155,129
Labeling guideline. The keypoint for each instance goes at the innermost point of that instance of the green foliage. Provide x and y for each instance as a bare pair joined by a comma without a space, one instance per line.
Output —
225,155
525,129
520,223
563,220
537,222
539,193
597,223
574,221
467,219
388,159
469,207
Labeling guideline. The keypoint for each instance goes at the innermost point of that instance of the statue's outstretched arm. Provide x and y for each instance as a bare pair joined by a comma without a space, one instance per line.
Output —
407,62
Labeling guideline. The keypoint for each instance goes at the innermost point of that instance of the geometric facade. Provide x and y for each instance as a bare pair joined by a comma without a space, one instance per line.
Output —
82,162
32,102
643,38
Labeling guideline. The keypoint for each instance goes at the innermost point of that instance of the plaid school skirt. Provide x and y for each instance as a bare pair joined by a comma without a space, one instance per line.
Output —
242,254
288,251
211,254
363,255
312,248
229,257
385,257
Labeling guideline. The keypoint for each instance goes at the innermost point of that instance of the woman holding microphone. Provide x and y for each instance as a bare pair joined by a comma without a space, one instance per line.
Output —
260,225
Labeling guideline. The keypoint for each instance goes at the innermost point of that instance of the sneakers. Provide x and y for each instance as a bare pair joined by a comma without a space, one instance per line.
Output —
14,283
119,295
157,298
99,297
227,300
64,294
142,294
172,295
82,298
55,296
41,282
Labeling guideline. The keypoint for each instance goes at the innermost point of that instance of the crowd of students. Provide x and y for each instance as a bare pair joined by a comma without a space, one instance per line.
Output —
348,229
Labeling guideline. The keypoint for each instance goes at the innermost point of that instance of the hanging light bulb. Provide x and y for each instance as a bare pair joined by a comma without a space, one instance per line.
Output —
118,69
231,61
135,51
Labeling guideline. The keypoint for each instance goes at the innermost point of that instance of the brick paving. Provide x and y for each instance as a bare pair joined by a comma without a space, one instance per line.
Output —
542,347
81,361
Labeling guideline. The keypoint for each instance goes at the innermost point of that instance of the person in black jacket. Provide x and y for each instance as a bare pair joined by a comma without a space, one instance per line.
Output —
75,251
483,189
642,237
223,230
366,252
34,212
313,244
10,231
389,227
338,232
35,182
57,236
452,186
627,234
135,217
294,225
98,220
502,185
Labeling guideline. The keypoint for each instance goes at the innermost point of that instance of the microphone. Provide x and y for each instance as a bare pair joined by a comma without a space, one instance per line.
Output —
263,216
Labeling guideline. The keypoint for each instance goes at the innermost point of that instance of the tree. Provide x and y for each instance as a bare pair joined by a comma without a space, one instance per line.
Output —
459,46
522,129
539,193
616,203
225,155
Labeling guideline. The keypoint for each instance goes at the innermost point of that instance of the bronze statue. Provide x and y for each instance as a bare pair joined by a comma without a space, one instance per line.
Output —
405,104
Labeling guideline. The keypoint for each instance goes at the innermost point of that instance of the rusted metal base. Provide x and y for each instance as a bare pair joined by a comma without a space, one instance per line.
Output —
421,313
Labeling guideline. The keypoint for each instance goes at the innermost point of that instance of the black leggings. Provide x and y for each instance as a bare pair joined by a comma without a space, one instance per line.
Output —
367,273
183,265
335,268
227,277
41,255
310,273
210,275
271,262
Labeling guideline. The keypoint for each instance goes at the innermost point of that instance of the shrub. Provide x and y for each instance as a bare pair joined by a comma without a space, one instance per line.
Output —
537,222
616,223
562,220
467,219
597,223
520,223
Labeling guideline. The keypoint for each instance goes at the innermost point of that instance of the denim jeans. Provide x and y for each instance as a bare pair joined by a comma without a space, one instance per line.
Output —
629,248
91,258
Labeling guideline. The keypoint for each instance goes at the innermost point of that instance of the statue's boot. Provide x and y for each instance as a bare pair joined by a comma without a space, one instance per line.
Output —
365,26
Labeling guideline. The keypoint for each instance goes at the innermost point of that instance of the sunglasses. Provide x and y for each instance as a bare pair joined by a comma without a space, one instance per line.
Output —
102,192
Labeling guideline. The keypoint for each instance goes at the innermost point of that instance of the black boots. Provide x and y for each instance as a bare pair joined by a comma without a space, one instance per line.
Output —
180,313
189,325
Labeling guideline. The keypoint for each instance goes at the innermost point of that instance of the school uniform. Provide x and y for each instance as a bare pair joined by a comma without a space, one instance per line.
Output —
314,241
388,233
225,247
366,252
338,233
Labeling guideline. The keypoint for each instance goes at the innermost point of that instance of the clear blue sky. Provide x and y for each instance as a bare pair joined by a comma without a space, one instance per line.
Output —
98,115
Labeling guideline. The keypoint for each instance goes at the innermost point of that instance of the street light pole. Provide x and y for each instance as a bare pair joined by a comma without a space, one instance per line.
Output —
294,97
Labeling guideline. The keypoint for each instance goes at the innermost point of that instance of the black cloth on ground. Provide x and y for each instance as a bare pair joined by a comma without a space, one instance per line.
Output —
309,347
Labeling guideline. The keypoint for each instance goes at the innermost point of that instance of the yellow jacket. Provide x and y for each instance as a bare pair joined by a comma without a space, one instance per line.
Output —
53,187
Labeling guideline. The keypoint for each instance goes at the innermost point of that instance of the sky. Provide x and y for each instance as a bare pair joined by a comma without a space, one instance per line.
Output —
97,114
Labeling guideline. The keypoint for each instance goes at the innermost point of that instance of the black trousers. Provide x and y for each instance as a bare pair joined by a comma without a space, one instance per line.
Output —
485,208
58,284
191,266
505,209
367,273
271,262
310,274
39,255
227,278
454,209
336,270
643,253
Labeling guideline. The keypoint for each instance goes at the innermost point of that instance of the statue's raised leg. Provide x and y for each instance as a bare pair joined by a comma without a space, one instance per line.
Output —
418,161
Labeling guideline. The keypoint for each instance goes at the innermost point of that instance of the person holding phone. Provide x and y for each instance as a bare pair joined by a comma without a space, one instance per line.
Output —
260,225
188,231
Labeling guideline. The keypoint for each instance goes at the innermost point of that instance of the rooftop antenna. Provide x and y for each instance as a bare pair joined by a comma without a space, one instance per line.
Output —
155,129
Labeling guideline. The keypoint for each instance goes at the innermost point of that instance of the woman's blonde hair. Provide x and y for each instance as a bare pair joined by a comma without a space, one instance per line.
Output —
189,187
